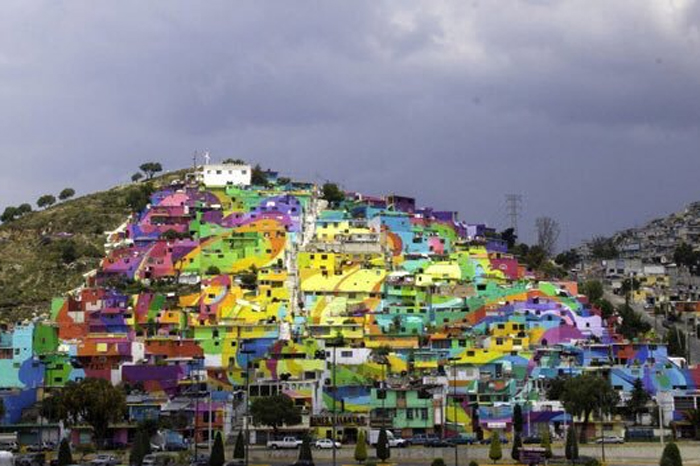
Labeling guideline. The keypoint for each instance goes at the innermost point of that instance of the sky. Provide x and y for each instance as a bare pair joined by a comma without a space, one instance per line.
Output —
590,109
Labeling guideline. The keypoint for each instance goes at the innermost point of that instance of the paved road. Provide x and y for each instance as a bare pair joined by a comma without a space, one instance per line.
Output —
656,323
630,454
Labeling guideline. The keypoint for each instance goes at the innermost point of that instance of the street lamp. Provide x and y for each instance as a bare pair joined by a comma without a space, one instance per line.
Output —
247,402
454,405
334,388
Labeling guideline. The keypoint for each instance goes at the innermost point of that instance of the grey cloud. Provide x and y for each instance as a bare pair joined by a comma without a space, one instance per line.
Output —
587,108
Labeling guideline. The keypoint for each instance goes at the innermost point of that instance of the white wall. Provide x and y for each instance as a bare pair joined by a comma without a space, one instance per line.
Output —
226,174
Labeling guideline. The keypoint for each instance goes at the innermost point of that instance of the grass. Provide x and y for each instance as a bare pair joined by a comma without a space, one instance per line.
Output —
45,253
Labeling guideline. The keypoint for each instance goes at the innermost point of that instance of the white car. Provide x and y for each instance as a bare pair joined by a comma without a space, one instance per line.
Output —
326,444
610,439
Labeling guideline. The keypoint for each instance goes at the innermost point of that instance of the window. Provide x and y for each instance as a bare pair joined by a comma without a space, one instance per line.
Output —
346,354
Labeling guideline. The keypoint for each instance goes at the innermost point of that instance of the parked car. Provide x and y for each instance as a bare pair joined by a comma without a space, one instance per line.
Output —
326,444
287,442
104,460
487,440
397,442
235,462
461,440
610,439
31,459
302,463
532,440
421,439
437,442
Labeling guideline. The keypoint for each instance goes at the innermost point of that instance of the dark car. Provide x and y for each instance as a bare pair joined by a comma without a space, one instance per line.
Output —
487,440
459,440
438,443
422,439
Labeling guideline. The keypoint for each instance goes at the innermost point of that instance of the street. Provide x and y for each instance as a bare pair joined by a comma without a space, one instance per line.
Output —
657,324
630,454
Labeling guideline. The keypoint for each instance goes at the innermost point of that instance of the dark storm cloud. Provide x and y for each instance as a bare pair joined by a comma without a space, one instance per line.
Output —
588,108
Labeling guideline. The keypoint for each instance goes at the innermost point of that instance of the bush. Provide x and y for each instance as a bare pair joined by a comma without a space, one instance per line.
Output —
361,447
671,456
473,463
438,462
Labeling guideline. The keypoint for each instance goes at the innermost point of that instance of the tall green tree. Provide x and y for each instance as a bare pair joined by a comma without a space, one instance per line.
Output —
140,447
546,443
593,289
275,411
305,451
571,447
383,449
586,394
361,447
332,193
218,455
637,402
64,454
517,445
95,402
258,176
675,342
239,448
671,455
47,200
495,449
518,418
150,169
67,193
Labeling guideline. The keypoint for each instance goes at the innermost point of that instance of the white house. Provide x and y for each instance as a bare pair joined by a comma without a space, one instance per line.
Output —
226,174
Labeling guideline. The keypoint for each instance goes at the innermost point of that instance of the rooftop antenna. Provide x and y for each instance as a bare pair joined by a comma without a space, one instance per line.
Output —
514,204
194,160
207,158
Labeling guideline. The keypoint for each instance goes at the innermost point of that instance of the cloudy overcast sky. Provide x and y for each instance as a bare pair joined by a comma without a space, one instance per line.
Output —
588,108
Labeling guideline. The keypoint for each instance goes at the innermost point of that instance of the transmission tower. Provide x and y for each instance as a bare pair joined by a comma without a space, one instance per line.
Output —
514,204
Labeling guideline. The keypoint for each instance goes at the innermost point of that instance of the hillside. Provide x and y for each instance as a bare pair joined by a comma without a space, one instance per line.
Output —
45,253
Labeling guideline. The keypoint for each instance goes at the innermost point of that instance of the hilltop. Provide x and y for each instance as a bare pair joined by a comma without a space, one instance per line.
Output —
45,253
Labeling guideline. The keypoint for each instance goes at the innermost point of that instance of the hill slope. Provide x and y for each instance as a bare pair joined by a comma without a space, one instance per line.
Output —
45,253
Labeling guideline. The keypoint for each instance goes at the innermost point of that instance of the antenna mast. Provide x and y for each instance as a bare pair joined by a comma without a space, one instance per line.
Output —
514,204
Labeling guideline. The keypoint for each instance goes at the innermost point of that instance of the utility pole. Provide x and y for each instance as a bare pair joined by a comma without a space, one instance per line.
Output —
335,413
514,205
454,406
247,403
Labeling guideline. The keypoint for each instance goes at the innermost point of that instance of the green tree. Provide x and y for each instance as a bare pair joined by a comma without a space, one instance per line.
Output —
686,256
517,445
332,193
218,456
9,214
675,342
305,451
607,309
637,402
603,248
546,443
571,447
150,169
275,411
438,462
47,200
137,198
24,208
230,161
568,259
67,193
258,177
495,449
140,447
593,289
588,393
671,456
508,235
239,448
361,447
518,419
95,402
64,454
383,449
136,177
632,325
